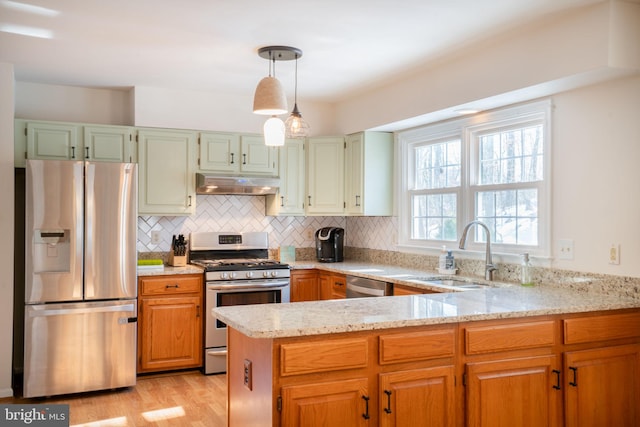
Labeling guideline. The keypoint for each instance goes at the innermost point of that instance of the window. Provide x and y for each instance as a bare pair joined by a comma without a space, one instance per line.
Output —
493,167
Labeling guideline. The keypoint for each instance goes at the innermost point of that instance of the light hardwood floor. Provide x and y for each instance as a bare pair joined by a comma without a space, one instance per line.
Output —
170,399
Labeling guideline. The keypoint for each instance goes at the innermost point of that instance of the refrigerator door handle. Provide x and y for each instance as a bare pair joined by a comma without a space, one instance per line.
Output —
82,310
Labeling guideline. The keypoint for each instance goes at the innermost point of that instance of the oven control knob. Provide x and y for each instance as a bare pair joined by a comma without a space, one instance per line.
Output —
232,275
274,273
249,274
224,276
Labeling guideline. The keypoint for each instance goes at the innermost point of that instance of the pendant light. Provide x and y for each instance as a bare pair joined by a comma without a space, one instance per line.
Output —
270,97
274,132
295,125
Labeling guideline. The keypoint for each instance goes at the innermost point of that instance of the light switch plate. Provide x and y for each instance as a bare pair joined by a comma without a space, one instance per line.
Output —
565,249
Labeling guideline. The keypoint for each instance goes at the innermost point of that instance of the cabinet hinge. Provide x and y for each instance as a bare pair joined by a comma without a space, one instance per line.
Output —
344,205
198,161
464,380
345,145
25,131
279,404
137,138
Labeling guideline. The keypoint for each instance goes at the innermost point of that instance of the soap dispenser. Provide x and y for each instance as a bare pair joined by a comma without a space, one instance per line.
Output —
442,259
525,271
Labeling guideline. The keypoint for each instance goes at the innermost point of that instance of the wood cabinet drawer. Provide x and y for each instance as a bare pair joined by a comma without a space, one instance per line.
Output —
601,328
416,346
332,355
516,336
170,285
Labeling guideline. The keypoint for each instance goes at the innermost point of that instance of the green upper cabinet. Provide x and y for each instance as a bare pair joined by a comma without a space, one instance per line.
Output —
219,152
53,141
71,141
289,200
166,172
369,174
325,179
109,144
228,153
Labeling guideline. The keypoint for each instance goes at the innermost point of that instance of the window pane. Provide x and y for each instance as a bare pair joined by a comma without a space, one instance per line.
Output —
511,215
511,156
434,217
437,165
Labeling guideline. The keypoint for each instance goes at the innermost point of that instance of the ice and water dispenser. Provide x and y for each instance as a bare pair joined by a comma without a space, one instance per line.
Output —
51,251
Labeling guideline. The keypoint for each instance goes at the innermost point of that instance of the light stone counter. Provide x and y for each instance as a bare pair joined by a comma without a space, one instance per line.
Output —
359,314
169,270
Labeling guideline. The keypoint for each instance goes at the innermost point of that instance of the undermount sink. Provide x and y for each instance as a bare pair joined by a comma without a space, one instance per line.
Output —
450,283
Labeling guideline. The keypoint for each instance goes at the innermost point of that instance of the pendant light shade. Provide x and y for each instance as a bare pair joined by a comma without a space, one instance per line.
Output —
270,98
274,132
295,125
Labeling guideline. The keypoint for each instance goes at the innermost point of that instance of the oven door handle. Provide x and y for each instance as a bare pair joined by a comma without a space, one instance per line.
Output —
216,352
246,285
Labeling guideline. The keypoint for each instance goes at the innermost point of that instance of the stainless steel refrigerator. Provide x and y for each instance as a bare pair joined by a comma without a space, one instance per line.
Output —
80,276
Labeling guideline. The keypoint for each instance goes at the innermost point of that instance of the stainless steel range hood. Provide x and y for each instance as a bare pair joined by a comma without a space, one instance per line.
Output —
243,185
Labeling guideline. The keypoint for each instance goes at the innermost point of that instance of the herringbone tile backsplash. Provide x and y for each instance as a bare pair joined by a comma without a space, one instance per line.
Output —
246,213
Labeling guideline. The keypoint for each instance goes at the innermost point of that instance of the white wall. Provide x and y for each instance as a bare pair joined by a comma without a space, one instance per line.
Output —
181,109
73,104
6,225
596,175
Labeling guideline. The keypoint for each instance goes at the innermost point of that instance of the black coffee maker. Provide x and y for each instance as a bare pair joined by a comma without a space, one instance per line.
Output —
330,244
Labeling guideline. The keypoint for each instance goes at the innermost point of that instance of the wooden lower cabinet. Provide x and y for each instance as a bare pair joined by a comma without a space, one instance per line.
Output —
170,323
410,290
603,387
418,398
332,285
304,285
514,392
343,403
529,372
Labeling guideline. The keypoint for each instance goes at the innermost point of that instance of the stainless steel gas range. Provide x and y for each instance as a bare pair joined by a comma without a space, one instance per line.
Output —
238,271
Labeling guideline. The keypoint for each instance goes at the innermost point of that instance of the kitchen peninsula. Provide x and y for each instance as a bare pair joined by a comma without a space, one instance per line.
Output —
525,356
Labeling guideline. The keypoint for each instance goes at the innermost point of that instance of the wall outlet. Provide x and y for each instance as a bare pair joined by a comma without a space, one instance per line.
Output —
614,254
156,237
310,234
565,249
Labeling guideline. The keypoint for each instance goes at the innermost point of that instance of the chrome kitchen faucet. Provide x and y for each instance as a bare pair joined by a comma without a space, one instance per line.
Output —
489,265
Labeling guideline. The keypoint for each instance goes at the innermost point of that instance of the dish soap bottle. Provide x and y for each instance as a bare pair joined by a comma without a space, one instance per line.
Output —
525,271
442,259
450,261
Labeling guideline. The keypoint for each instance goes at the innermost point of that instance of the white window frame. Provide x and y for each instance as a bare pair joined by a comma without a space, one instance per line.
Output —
468,129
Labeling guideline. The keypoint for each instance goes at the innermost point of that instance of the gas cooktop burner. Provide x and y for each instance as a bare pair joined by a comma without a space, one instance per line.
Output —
238,264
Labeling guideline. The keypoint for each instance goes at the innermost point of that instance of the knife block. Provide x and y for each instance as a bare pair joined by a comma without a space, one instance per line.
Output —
177,261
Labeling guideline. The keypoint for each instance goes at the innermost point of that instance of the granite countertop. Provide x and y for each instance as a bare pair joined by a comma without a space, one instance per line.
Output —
359,314
169,270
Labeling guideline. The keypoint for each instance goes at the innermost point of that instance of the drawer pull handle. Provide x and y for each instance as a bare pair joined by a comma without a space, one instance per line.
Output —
574,383
176,286
366,410
557,386
388,408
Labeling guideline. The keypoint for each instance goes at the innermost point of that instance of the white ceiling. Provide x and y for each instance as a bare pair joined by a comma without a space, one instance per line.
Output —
348,45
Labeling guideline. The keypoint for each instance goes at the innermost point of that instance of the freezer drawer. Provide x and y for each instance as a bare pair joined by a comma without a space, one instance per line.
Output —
77,347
